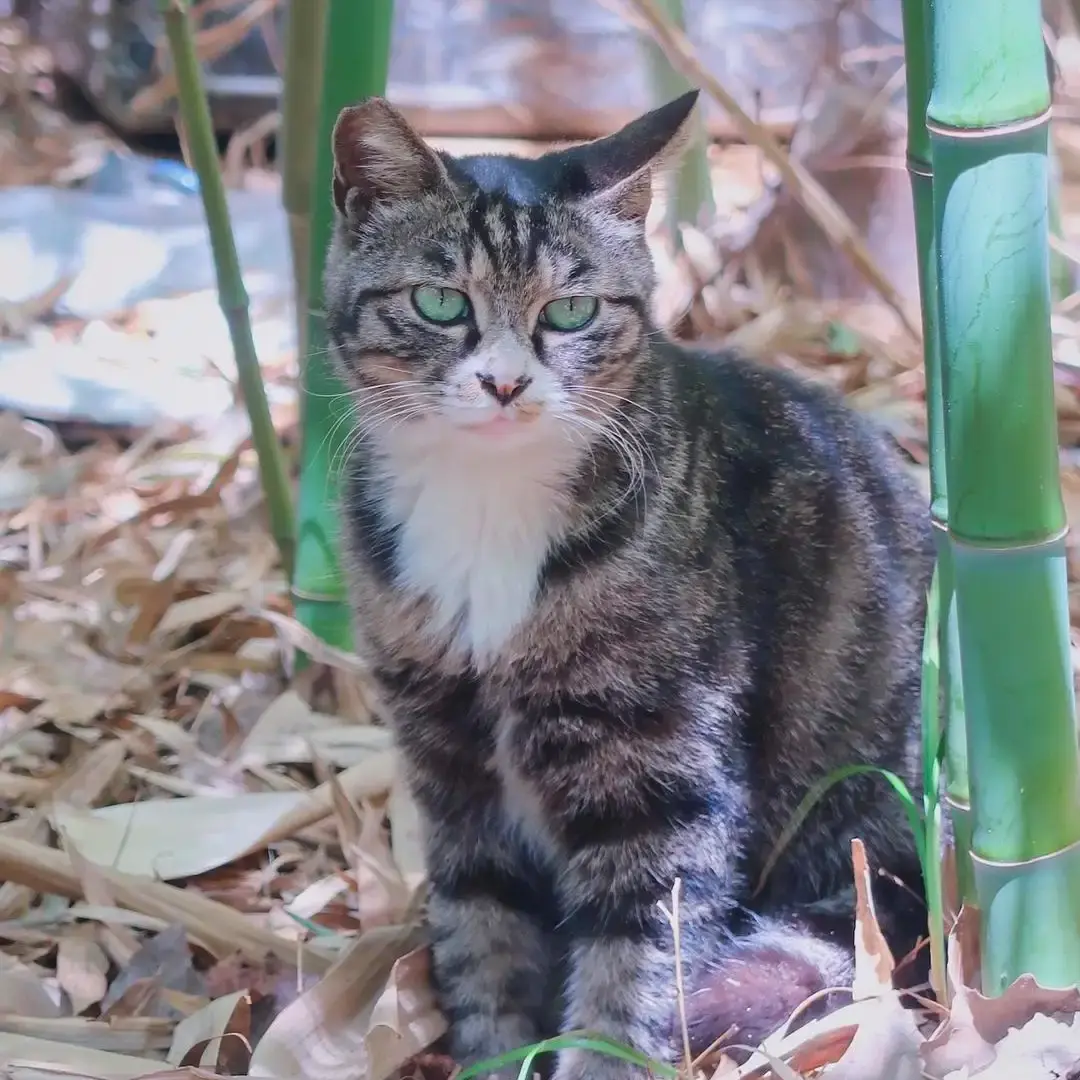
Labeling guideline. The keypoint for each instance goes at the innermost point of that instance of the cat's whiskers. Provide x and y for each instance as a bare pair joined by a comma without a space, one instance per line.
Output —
618,426
609,428
613,403
585,390
375,407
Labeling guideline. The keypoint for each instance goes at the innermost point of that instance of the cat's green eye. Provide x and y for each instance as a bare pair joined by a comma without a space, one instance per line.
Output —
569,312
439,305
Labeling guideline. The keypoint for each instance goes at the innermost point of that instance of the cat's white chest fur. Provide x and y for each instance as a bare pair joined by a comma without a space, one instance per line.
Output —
478,517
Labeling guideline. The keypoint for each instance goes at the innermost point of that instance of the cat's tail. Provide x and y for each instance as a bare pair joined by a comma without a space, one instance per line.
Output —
780,959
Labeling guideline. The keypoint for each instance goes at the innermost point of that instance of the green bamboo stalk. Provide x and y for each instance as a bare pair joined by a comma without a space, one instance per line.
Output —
917,56
232,295
1061,283
1006,518
355,63
691,198
306,28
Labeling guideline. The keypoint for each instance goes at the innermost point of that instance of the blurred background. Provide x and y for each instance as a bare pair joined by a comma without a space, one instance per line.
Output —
99,217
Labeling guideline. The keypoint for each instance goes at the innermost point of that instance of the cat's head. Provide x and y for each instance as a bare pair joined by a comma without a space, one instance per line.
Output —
492,295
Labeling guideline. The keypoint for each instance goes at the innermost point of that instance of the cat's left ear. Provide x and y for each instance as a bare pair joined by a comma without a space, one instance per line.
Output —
618,170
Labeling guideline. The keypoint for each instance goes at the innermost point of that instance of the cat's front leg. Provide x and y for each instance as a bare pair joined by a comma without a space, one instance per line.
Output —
489,913
632,806
491,907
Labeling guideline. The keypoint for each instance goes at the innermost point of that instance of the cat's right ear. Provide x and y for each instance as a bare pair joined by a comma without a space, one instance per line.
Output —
378,156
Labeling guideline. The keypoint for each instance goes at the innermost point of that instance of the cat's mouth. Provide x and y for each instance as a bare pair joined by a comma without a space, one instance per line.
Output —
503,423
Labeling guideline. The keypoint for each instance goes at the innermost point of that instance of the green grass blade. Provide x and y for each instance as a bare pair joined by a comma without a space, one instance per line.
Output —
818,791
573,1040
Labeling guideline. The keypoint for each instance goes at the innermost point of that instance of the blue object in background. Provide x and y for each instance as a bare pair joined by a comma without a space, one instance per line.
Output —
126,174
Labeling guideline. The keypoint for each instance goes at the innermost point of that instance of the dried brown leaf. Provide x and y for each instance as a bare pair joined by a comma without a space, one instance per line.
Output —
970,1037
226,1019
217,927
162,961
120,1035
27,1057
406,837
874,963
81,968
23,990
175,838
325,1033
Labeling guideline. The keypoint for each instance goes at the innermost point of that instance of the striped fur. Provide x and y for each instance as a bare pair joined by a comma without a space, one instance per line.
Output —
622,633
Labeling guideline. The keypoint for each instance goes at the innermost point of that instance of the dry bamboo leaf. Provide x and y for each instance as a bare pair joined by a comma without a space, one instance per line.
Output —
368,779
300,637
886,1044
313,899
23,1052
406,834
122,1035
977,1026
162,961
81,968
215,926
405,1019
109,915
185,614
874,963
23,990
289,731
816,1044
340,745
175,838
228,1015
382,896
83,785
324,1034
119,941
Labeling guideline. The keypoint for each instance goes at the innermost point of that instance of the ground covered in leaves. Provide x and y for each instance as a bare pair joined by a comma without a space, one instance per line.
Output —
207,859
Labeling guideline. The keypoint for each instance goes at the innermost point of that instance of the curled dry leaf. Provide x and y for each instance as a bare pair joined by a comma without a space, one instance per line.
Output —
226,1020
383,897
81,968
886,1045
326,1033
874,963
980,1032
404,1020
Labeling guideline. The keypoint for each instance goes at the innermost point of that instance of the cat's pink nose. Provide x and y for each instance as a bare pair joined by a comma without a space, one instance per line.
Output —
503,392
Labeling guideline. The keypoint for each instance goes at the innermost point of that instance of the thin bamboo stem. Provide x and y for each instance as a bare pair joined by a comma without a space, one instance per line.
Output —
232,295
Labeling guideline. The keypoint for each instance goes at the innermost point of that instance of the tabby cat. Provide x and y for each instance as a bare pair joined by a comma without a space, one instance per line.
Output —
627,600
